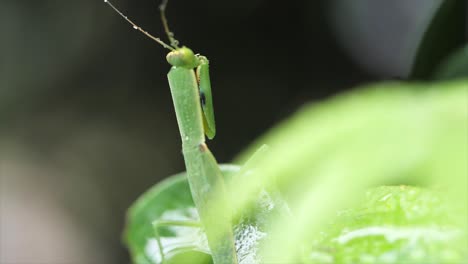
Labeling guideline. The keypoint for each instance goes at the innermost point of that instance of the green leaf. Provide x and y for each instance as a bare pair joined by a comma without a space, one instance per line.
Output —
444,33
169,200
455,66
163,224
393,224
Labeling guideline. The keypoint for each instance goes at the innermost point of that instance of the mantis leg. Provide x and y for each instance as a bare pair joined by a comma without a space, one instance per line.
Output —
205,176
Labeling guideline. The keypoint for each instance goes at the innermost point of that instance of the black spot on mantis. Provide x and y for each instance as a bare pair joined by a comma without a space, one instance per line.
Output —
202,98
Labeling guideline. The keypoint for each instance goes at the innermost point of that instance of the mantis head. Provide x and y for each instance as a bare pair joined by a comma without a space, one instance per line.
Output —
183,57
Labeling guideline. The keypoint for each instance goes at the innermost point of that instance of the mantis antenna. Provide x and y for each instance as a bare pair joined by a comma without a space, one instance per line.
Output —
135,26
169,33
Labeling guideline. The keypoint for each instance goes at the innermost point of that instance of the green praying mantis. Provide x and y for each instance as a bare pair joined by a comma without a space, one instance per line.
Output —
190,86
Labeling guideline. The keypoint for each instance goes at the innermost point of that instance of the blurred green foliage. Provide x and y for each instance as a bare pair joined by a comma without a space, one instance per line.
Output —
444,33
326,155
392,225
455,66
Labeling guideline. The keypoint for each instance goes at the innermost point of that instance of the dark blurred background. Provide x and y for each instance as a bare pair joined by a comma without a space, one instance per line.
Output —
87,122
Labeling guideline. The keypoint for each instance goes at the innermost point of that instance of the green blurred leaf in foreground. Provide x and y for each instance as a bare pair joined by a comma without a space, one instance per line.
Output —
399,224
330,152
